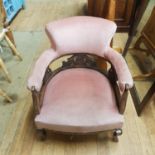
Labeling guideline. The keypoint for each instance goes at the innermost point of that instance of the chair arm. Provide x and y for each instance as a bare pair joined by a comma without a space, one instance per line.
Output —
36,78
123,74
121,97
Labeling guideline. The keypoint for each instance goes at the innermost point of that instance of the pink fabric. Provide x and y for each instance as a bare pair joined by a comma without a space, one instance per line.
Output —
37,75
81,34
79,100
123,73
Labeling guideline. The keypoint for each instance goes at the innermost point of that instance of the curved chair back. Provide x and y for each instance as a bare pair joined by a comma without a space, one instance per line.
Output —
81,34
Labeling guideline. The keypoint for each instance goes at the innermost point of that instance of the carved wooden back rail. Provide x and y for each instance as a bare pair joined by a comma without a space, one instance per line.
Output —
80,60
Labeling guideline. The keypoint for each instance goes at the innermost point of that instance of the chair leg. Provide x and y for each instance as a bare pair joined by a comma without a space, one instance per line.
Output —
116,133
139,105
2,65
13,48
147,97
136,99
2,93
41,133
127,45
10,36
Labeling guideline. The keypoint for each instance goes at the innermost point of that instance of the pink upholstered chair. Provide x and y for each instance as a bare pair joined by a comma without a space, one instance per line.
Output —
80,97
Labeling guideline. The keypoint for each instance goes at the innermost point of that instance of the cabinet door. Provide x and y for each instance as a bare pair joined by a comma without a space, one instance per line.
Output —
123,11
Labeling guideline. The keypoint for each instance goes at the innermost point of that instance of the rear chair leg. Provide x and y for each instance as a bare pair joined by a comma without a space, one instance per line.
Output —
116,133
41,133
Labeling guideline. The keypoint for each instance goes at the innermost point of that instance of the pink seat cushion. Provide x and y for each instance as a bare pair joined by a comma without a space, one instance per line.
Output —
79,100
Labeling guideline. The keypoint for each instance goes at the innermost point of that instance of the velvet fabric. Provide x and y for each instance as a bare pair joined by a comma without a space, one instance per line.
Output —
120,66
123,74
76,35
81,34
36,77
79,100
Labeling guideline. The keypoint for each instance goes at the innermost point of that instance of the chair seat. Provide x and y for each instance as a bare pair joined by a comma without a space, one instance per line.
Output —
79,100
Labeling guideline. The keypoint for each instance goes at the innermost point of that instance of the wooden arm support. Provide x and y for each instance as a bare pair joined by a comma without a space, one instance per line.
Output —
121,98
36,100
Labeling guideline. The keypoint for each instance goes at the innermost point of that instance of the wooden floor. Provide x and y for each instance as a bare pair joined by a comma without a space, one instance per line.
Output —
17,132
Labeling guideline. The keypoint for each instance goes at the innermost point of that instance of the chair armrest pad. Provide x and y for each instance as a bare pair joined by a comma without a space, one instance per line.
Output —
121,68
36,78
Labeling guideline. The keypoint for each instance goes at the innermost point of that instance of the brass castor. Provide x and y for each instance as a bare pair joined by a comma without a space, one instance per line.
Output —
116,133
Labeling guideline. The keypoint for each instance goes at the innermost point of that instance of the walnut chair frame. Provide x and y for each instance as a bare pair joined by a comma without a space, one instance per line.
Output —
80,60
94,93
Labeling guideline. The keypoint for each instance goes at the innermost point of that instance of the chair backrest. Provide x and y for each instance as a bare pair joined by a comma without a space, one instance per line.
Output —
81,34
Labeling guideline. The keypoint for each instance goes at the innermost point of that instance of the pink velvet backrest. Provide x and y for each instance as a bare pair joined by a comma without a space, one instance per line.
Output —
76,35
81,34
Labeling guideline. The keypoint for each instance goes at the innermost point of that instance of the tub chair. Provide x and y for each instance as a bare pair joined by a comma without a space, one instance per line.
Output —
80,96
